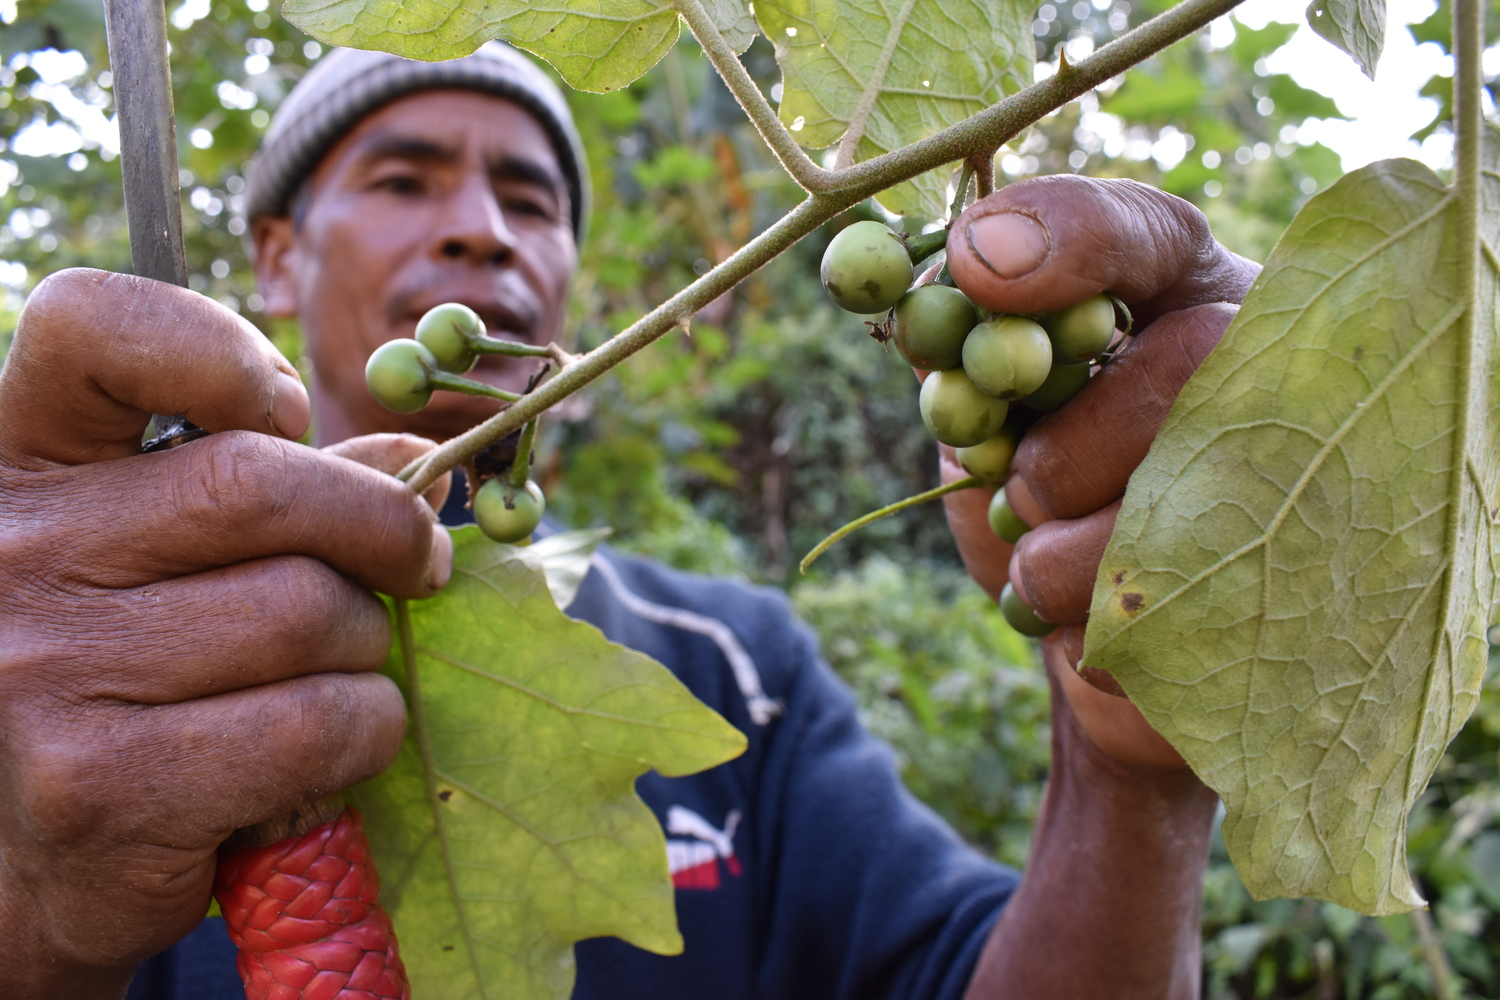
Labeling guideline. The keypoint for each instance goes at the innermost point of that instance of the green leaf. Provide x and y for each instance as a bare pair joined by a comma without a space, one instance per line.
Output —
1297,590
889,74
596,45
508,826
1356,26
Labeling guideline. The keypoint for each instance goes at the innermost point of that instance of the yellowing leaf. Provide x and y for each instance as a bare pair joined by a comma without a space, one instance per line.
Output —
508,826
1297,589
895,71
596,45
1356,26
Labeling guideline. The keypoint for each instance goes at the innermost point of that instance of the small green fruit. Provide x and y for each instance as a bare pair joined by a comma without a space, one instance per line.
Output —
1008,357
989,460
1020,616
1004,520
1061,385
448,331
956,413
507,514
866,268
1080,333
931,323
397,375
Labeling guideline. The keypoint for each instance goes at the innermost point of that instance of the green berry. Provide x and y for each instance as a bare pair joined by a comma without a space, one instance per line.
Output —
1080,333
956,413
866,268
448,331
1022,618
1061,385
397,374
990,460
1007,357
1004,520
931,323
507,514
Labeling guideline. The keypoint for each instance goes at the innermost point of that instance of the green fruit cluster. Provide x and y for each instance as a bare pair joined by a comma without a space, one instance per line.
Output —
978,364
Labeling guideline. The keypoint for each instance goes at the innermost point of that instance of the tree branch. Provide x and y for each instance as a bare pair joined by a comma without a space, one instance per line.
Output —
832,194
804,171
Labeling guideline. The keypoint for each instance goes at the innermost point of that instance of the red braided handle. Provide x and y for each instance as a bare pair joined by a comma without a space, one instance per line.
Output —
304,915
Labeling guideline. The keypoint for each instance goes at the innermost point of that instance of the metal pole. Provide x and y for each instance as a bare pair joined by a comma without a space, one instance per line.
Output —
136,32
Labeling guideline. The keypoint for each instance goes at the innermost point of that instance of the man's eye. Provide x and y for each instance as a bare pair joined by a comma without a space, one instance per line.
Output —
532,207
400,185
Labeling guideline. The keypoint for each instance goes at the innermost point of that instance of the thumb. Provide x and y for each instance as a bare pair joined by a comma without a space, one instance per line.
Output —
96,353
1047,243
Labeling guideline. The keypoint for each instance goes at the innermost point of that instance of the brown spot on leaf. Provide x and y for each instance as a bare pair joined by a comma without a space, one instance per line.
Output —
445,794
1130,603
1119,577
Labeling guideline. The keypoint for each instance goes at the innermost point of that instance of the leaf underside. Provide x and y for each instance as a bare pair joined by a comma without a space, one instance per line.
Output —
516,830
899,70
1356,26
1297,589
596,45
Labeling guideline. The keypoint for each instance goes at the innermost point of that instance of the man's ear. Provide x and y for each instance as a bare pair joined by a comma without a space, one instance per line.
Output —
276,265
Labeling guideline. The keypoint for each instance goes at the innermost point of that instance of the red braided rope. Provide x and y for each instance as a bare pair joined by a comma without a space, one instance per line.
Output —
305,917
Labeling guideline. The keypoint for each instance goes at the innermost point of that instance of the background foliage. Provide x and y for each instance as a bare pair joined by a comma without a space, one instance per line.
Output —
736,449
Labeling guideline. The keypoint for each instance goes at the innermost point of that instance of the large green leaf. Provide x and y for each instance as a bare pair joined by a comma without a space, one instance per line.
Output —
1356,26
508,826
596,45
1297,589
895,71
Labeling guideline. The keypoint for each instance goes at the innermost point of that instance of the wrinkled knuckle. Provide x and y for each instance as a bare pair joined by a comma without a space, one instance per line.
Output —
242,481
61,787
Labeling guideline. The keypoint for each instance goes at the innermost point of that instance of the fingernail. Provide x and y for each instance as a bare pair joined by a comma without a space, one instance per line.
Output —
291,410
1009,243
440,565
1014,573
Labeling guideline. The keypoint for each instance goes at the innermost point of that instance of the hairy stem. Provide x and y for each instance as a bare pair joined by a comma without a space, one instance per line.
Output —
833,193
520,468
968,482
469,387
796,162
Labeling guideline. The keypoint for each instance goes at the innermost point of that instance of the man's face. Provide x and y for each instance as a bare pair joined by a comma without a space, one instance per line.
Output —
444,196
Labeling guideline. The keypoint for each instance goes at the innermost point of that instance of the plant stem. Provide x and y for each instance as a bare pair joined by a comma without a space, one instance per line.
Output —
520,466
833,193
968,482
494,345
961,195
919,248
1432,952
469,387
796,162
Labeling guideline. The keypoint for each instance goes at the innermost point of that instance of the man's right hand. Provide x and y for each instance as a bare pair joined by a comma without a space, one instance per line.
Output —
187,639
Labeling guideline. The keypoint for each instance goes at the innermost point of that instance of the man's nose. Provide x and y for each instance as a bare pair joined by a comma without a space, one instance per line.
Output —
474,229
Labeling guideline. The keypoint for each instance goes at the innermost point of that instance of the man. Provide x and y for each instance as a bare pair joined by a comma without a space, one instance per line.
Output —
189,642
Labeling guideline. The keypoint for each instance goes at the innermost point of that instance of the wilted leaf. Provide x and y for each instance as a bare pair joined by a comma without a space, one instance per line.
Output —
508,826
1356,26
596,45
895,72
1297,590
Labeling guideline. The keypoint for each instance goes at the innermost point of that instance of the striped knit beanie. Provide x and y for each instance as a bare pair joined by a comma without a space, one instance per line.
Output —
348,84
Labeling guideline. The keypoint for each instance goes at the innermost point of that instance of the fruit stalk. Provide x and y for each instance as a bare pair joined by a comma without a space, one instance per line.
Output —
305,914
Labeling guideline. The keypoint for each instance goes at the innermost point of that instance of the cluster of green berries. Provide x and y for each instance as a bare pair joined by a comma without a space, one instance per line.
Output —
402,375
980,363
